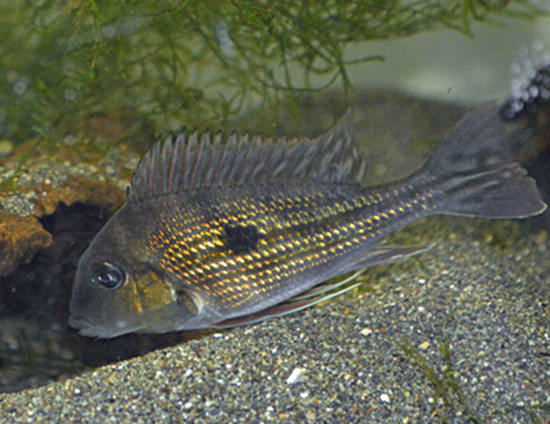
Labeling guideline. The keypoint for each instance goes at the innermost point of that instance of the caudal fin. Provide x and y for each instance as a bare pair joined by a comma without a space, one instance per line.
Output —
476,172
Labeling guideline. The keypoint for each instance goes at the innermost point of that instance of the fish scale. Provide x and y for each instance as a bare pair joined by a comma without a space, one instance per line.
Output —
228,232
302,233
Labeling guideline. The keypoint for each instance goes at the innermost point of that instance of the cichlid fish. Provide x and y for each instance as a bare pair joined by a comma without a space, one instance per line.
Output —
221,233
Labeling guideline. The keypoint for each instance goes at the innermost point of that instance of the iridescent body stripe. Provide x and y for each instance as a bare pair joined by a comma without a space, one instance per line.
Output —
293,234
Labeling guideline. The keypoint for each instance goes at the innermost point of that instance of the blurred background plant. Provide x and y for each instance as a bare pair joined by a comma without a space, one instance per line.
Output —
70,68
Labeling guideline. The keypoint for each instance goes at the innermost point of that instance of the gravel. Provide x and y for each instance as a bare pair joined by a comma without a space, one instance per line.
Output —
460,334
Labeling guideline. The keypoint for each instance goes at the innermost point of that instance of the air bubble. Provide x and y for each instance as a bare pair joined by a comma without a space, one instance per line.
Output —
537,46
524,51
533,91
530,86
70,140
68,68
19,88
108,31
70,94
224,39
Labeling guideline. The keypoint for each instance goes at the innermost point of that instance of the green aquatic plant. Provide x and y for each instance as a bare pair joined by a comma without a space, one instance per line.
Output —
448,396
170,62
533,410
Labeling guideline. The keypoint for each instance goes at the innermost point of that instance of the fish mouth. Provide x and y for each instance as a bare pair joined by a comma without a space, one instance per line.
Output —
83,325
120,327
87,328
79,322
161,320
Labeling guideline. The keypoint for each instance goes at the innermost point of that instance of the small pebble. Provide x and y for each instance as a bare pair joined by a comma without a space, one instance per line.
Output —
296,376
366,331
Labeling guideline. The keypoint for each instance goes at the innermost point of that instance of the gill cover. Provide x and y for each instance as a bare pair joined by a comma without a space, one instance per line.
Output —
112,295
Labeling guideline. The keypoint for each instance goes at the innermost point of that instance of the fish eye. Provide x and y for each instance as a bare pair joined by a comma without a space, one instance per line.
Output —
107,276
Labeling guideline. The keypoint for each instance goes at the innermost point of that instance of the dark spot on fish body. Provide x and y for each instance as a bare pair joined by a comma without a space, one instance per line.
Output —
240,238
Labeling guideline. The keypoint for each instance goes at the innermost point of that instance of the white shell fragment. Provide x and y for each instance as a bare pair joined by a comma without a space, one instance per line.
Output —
296,376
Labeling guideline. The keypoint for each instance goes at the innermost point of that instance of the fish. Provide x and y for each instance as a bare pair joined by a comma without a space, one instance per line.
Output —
222,231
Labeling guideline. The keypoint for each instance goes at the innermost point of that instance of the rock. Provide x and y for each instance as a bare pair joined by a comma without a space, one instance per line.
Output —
33,185
20,239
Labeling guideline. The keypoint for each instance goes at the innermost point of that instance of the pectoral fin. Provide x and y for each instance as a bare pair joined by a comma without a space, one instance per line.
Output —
302,301
384,253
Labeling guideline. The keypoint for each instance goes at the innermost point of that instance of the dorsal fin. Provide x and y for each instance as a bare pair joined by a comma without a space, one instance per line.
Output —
187,162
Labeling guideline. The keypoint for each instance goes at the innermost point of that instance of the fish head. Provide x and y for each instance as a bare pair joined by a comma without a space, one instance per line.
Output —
118,290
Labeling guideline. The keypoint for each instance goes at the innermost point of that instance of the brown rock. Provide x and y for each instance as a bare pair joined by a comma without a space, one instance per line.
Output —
20,239
35,181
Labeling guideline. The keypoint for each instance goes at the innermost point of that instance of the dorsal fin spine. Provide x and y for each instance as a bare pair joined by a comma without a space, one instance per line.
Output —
241,143
219,152
188,165
151,173
173,164
166,153
204,169
187,162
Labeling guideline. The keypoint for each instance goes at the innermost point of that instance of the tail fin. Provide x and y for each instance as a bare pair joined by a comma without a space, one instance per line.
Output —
475,169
